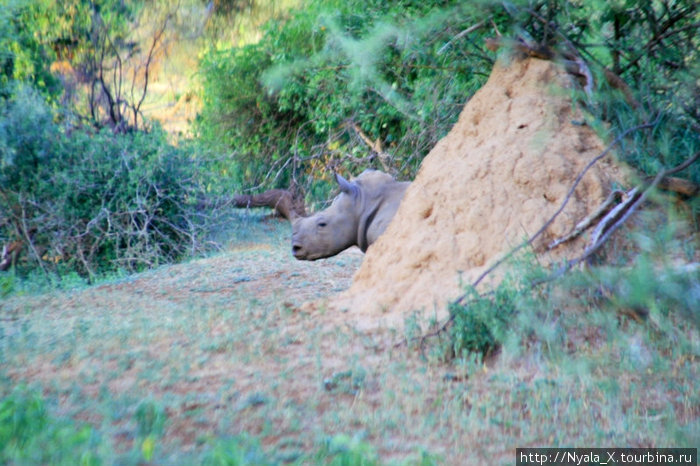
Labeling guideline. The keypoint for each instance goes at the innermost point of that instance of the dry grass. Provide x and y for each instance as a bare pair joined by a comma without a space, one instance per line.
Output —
223,346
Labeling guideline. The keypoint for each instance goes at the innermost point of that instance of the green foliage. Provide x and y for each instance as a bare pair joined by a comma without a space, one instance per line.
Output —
481,324
653,47
344,450
285,106
529,309
34,34
93,201
235,451
150,418
7,283
284,109
23,55
28,435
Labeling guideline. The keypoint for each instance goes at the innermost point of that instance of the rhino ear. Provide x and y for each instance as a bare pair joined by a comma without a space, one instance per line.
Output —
346,186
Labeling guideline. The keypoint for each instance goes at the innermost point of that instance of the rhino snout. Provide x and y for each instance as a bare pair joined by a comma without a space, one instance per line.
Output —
297,250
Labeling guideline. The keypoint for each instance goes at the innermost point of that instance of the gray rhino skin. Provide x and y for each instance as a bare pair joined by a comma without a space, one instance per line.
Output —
357,216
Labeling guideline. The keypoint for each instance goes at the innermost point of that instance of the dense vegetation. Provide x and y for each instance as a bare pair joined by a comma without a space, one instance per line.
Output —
332,86
86,185
301,100
90,200
322,85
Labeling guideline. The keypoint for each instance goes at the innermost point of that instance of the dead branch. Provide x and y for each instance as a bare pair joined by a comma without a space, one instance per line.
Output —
630,208
28,234
469,30
284,203
680,186
618,83
375,146
584,224
629,198
157,38
9,254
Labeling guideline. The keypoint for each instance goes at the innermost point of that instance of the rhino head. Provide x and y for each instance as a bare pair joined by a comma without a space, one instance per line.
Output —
332,230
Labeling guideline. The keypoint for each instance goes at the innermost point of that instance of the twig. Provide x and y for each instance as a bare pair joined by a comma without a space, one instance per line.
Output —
375,146
583,225
28,238
469,30
657,39
156,38
618,83
679,186
630,198
586,72
597,244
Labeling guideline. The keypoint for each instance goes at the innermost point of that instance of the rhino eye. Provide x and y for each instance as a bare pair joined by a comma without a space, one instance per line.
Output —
321,224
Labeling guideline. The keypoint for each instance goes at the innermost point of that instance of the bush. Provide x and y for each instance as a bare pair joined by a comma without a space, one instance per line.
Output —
530,309
480,325
285,108
28,435
93,201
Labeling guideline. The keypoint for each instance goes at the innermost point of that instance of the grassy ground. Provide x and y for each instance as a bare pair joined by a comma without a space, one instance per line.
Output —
169,364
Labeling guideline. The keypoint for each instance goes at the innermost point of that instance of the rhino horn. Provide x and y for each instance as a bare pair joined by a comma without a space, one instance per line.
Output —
346,186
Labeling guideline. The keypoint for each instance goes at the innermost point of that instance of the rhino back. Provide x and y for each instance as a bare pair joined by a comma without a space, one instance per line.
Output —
379,212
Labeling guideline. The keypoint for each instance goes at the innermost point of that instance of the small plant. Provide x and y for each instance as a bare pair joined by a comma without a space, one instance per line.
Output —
7,283
150,418
479,325
343,450
235,451
28,435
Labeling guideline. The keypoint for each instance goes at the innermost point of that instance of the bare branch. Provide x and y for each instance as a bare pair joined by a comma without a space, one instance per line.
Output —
584,224
154,43
469,30
375,146
633,207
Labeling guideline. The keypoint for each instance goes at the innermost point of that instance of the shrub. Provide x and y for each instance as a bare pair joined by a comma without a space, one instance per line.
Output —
285,109
28,435
93,201
480,325
530,308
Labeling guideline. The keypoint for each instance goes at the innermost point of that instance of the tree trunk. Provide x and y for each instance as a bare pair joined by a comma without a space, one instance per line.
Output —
284,203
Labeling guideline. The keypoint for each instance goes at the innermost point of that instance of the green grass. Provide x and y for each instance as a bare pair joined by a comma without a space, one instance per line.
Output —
215,361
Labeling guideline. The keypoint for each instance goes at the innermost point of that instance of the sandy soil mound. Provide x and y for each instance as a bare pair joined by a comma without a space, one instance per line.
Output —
494,180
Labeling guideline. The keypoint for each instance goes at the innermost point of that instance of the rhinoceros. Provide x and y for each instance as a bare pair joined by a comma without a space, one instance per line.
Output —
357,216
